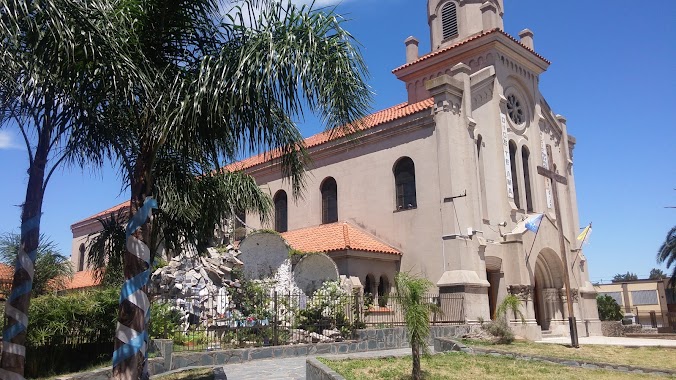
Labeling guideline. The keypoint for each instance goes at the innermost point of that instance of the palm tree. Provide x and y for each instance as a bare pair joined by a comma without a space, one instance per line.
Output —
222,86
667,254
52,269
410,292
54,59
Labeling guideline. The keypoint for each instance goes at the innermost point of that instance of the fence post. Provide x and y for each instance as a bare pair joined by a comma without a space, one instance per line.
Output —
276,318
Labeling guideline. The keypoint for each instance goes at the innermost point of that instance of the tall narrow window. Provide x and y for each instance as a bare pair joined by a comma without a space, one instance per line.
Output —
404,180
482,177
449,20
80,266
281,211
329,191
525,156
515,180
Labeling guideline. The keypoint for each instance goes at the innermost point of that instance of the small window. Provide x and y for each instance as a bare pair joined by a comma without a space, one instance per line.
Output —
80,266
525,157
281,211
449,20
515,181
404,180
329,191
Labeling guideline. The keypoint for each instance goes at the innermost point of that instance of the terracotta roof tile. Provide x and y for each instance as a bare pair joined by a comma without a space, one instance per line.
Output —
472,38
122,206
381,117
6,273
83,279
336,237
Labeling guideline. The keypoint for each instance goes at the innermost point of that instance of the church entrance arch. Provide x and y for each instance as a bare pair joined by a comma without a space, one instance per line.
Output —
548,282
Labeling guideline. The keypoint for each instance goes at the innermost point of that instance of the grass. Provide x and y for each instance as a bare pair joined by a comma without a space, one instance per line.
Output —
648,357
195,374
450,366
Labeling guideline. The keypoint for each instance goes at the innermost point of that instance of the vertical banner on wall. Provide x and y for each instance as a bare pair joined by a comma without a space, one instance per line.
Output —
545,164
508,163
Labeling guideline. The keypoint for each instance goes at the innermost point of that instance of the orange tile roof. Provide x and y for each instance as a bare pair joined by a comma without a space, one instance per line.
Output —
472,38
381,117
6,273
107,212
83,279
336,237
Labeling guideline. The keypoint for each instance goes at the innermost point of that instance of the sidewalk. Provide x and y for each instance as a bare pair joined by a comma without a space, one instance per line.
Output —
294,368
612,341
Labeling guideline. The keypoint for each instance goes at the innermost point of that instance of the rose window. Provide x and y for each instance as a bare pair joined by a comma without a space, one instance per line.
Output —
515,110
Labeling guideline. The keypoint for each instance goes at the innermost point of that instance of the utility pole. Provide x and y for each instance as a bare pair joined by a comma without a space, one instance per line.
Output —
564,254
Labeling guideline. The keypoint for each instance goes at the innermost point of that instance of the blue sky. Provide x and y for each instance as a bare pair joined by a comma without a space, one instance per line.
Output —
609,76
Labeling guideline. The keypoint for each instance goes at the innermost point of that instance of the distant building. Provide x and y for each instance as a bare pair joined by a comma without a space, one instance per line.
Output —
643,298
444,182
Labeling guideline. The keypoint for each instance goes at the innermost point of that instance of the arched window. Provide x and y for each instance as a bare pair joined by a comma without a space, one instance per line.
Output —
281,222
404,181
80,266
525,156
515,181
449,20
329,191
369,291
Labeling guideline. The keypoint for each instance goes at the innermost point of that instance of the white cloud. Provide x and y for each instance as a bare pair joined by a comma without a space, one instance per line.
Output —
6,141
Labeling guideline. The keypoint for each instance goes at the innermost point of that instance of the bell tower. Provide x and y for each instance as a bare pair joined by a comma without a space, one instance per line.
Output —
453,21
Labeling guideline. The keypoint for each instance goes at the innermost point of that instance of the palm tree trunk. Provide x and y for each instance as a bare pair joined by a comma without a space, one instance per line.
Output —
416,373
16,310
132,317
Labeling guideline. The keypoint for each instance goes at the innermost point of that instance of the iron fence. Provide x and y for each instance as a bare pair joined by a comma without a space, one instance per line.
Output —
656,319
218,321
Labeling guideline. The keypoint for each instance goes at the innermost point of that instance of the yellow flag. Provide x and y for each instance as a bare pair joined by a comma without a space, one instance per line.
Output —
585,234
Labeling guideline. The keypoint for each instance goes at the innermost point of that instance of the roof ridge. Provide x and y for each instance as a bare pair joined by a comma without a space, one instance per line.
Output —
346,235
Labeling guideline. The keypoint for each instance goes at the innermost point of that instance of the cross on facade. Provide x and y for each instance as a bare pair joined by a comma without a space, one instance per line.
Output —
555,177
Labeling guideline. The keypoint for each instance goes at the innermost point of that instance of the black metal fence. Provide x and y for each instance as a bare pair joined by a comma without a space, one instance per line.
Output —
656,319
215,322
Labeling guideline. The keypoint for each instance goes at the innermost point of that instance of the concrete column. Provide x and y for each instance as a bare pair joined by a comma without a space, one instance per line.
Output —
411,49
489,16
526,36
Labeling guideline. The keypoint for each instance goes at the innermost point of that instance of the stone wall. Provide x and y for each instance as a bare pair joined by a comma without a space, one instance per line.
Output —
617,329
316,370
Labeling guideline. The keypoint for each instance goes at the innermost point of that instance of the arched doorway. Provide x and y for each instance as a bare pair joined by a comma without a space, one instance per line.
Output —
548,282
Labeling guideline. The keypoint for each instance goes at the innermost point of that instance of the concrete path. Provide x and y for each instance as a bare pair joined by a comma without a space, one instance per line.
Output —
294,368
612,341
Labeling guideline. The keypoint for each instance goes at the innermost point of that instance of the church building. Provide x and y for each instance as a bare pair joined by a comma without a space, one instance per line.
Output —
442,185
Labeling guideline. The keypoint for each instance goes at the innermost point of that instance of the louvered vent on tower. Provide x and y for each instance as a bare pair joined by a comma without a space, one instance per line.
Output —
449,20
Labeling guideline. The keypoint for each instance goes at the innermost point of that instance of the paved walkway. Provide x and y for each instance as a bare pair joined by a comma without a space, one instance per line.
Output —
294,368
611,341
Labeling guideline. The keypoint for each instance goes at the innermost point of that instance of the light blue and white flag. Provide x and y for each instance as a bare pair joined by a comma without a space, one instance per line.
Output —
533,223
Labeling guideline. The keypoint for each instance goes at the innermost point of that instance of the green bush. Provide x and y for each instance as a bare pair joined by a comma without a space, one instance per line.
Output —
609,310
164,321
500,330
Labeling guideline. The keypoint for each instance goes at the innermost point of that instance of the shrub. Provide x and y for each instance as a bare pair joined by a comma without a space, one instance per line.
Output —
609,310
164,320
500,330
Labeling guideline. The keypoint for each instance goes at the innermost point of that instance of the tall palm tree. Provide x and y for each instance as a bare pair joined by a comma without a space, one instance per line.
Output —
223,85
54,60
667,254
410,292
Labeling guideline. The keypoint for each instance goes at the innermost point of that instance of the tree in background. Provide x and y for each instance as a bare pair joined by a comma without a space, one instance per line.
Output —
52,270
657,274
609,310
667,254
410,292
625,277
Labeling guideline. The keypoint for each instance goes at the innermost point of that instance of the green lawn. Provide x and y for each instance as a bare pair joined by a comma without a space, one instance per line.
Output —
450,366
648,357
